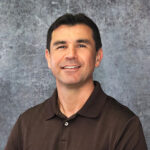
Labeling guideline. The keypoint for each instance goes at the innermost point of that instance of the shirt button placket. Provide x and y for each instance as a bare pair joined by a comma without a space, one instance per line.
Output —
64,136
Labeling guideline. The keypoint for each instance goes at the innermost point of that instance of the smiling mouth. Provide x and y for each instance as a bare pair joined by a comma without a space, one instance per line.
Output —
70,67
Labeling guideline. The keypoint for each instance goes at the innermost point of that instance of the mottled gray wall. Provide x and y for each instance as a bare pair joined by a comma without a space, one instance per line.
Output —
25,79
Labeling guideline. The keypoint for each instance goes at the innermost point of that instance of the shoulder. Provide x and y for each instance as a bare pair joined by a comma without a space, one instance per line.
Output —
119,119
116,107
123,125
35,109
116,113
35,113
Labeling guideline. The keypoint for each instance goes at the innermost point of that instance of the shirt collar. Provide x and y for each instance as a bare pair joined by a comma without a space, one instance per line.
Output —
91,109
50,106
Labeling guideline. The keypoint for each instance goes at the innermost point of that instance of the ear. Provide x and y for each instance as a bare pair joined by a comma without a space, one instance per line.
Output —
47,56
99,56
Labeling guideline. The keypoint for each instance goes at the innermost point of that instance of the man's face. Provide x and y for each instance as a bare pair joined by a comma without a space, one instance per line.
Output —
73,56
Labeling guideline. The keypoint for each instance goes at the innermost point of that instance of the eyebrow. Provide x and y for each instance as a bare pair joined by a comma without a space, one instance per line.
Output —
59,42
83,41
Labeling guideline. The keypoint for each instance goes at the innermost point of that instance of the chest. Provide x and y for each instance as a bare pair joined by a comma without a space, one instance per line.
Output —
81,134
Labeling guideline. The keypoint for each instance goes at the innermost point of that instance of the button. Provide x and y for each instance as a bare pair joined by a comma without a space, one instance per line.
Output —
66,124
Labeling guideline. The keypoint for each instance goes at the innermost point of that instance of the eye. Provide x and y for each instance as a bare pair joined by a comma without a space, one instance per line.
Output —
81,45
61,47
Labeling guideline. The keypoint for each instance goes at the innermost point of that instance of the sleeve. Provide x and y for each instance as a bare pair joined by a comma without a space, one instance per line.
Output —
132,137
14,140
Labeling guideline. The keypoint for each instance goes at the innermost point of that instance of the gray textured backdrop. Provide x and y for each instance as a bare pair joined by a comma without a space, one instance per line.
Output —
24,76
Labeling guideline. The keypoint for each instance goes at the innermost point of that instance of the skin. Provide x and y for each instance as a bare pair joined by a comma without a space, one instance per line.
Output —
72,60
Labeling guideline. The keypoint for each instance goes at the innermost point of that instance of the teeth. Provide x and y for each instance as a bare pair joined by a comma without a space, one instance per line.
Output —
71,67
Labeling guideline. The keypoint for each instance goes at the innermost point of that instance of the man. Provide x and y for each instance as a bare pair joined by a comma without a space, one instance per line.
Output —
79,115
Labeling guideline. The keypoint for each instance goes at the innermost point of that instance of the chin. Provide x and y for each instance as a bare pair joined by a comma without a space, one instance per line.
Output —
71,83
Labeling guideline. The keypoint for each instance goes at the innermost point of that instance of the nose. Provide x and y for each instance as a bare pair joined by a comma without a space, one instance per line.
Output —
71,53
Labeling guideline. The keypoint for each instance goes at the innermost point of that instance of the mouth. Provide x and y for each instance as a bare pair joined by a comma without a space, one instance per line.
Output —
71,68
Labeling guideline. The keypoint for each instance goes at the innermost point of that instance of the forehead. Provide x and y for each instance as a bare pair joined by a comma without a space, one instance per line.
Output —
72,32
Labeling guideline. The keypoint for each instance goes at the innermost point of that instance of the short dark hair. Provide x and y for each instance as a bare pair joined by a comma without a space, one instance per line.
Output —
70,19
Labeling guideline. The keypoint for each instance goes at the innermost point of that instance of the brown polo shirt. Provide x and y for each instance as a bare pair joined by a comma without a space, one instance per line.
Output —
101,124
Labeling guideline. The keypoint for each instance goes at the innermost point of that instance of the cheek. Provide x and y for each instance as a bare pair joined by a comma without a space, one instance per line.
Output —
55,61
89,61
91,58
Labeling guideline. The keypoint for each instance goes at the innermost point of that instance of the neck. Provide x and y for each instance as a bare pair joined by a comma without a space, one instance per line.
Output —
71,99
